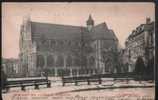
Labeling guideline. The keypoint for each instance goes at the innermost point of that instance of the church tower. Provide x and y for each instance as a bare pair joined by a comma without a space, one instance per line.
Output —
90,23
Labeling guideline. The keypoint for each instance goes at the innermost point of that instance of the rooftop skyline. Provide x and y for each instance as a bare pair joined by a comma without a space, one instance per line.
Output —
122,18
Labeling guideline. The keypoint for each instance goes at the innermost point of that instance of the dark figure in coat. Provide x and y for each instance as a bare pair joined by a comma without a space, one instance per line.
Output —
3,79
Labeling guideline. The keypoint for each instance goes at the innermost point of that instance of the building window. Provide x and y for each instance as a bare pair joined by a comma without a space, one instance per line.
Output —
60,42
69,61
60,61
76,61
43,41
84,61
38,46
69,43
53,43
92,61
50,61
104,54
40,61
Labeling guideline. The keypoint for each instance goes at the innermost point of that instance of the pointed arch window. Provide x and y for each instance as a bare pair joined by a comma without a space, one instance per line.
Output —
50,61
84,61
91,61
40,61
60,61
69,61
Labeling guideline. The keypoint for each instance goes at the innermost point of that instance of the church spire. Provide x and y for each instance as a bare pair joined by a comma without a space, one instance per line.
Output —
90,22
26,19
27,16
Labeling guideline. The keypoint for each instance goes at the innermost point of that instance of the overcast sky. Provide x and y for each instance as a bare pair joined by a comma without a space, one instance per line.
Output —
121,17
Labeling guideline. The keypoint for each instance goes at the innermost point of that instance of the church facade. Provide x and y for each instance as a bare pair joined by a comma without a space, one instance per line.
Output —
46,47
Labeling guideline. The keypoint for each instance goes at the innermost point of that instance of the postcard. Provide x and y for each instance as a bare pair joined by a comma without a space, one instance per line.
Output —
78,51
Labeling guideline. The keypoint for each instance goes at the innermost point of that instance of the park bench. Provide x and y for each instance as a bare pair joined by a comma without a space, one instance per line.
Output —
27,82
94,78
83,78
98,78
123,79
118,76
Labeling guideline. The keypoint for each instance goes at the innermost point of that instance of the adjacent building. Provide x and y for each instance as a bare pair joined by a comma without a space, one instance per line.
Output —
11,67
140,43
56,47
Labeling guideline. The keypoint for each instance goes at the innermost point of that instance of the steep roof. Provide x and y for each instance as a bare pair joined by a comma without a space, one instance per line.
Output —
140,29
101,31
57,31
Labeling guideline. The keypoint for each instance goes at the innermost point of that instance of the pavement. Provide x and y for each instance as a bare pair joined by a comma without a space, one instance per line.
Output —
108,90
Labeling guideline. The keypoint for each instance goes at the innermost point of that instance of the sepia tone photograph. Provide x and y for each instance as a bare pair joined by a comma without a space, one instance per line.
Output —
78,51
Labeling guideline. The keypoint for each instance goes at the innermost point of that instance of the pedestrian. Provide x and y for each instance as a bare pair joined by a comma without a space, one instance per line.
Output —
3,80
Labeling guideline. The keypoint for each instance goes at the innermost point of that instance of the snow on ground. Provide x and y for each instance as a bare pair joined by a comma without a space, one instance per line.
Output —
26,78
108,90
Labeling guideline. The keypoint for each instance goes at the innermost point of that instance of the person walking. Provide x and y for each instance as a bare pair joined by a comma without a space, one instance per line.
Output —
3,80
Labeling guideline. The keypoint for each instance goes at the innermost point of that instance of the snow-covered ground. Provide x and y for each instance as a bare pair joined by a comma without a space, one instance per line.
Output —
108,90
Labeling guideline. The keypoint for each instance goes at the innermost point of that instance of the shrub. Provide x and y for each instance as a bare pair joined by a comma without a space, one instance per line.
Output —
139,66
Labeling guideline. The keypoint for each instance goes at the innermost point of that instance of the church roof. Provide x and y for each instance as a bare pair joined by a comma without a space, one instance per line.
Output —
102,31
57,31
